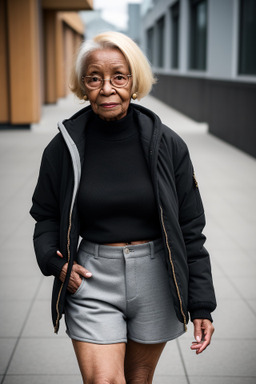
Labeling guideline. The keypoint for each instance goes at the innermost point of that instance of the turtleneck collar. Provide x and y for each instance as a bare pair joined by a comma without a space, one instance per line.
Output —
113,130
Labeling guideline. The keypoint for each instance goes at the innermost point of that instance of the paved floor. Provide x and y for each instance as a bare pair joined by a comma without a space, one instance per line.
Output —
29,351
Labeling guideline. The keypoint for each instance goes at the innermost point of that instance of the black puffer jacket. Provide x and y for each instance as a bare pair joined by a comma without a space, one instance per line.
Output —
180,209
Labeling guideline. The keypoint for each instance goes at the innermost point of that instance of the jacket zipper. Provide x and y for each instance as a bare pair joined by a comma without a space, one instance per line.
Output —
173,271
77,174
151,152
58,299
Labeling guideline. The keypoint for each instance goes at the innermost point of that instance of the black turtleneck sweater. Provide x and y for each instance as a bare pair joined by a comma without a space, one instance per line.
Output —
116,202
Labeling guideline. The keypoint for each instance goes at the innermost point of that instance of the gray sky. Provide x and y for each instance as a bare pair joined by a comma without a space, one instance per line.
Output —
114,11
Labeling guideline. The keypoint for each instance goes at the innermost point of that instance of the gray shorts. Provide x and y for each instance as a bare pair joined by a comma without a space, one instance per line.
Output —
127,297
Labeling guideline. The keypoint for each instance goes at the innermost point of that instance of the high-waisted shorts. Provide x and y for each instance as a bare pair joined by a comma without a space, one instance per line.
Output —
127,297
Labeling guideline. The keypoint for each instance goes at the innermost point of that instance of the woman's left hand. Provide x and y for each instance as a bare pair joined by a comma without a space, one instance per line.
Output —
203,330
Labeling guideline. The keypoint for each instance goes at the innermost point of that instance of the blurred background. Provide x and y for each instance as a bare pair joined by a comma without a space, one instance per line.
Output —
203,53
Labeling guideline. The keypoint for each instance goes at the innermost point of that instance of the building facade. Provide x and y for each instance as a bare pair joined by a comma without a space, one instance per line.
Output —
203,53
134,22
37,43
95,24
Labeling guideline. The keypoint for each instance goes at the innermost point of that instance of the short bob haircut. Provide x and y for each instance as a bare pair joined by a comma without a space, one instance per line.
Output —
142,76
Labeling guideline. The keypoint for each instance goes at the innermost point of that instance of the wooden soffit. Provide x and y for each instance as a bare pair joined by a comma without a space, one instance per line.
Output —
67,5
73,20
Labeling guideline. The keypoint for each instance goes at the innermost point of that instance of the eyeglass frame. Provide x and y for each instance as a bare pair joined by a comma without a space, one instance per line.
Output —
102,81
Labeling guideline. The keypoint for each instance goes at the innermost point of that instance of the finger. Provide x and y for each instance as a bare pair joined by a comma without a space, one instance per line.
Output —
74,282
200,347
195,345
198,330
73,287
63,272
59,254
203,346
81,271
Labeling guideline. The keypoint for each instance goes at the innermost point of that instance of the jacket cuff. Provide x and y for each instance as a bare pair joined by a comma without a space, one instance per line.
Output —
201,314
55,265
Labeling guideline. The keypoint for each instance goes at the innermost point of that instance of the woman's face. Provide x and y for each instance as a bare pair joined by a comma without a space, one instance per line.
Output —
108,102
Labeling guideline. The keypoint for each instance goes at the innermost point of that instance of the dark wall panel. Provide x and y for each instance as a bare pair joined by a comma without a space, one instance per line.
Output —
228,107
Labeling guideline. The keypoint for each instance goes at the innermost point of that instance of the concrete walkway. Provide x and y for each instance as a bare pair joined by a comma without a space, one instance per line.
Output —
29,351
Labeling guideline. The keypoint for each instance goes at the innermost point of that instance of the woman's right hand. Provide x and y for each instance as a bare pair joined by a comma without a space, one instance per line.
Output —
75,277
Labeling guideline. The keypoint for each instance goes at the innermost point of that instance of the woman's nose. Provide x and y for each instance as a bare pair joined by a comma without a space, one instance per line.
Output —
107,87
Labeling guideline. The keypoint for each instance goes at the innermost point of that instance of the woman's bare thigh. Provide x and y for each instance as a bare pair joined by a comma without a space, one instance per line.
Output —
100,364
141,361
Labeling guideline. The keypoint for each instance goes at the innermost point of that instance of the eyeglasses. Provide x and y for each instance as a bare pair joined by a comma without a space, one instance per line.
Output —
96,81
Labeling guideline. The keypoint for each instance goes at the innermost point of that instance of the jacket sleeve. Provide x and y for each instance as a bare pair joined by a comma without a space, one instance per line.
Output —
45,210
201,296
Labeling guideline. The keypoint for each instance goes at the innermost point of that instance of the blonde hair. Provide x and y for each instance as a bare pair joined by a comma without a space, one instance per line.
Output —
142,76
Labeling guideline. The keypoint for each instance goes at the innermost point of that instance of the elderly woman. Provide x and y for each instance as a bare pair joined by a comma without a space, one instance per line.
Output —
122,182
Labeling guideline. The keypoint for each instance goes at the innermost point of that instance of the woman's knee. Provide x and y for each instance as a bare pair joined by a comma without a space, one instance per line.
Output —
141,361
101,364
102,379
142,375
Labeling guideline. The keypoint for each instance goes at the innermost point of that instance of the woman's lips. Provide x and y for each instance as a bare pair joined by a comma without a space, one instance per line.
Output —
109,105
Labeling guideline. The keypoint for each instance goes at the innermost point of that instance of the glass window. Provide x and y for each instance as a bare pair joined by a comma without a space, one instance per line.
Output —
198,34
175,13
247,47
160,42
150,44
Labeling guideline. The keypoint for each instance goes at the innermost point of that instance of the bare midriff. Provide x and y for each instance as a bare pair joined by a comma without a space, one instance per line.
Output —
129,243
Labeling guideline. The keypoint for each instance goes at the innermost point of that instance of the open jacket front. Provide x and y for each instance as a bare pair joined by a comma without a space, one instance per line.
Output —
181,213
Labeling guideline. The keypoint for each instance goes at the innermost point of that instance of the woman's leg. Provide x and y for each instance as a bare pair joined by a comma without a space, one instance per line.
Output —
141,361
101,364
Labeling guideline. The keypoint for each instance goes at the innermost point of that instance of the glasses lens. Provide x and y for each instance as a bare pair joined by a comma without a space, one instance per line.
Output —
119,80
93,81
